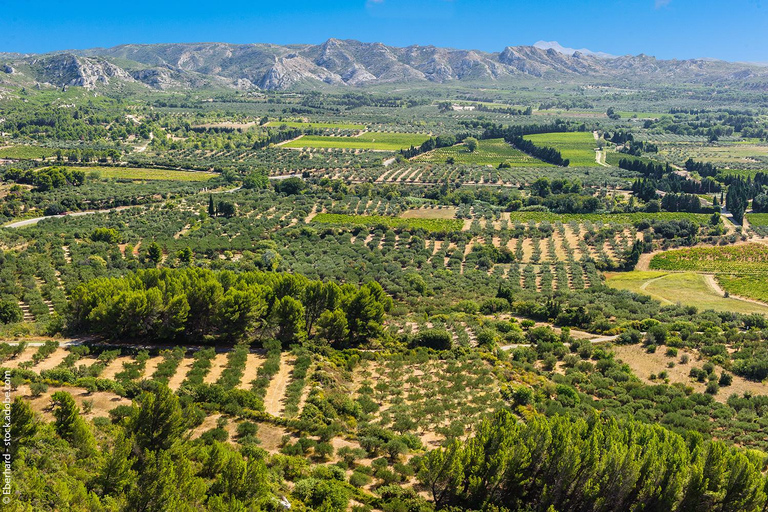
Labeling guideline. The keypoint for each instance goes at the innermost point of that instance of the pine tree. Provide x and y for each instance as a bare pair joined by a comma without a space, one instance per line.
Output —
158,422
115,473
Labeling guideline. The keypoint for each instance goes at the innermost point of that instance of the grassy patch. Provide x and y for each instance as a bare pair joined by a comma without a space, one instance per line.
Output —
687,288
368,140
393,222
488,152
578,147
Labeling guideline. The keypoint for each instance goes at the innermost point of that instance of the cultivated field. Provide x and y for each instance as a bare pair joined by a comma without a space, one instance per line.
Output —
26,152
489,152
374,220
132,173
367,140
578,147
315,124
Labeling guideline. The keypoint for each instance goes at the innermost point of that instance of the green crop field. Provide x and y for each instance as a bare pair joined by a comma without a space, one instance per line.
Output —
394,222
613,158
312,124
136,173
368,140
26,152
489,152
578,147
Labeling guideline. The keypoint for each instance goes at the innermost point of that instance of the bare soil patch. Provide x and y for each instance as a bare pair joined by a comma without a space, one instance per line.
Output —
644,364
252,365
274,399
217,367
430,213
103,401
181,373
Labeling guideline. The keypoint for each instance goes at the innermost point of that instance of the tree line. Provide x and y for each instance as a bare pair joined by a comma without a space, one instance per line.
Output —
543,153
46,179
597,464
514,135
650,169
441,141
201,304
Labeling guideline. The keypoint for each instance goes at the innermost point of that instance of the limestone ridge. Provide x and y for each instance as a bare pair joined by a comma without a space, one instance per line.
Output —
349,63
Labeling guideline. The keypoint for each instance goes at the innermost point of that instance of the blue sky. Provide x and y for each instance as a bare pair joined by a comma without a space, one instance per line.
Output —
726,29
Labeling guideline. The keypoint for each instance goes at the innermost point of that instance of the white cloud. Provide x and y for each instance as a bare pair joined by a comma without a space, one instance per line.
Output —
662,3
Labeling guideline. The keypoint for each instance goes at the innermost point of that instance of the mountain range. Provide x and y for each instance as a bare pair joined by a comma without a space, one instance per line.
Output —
349,63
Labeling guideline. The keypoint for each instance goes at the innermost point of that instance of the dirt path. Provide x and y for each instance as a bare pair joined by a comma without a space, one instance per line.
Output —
151,366
729,225
217,367
273,401
252,365
289,140
600,158
644,262
115,367
142,149
35,220
181,373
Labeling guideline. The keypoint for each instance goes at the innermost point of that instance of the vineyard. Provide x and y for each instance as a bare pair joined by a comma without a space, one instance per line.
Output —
26,152
740,259
444,225
738,269
132,173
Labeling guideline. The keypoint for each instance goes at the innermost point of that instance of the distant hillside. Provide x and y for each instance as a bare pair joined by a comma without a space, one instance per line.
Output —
350,63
